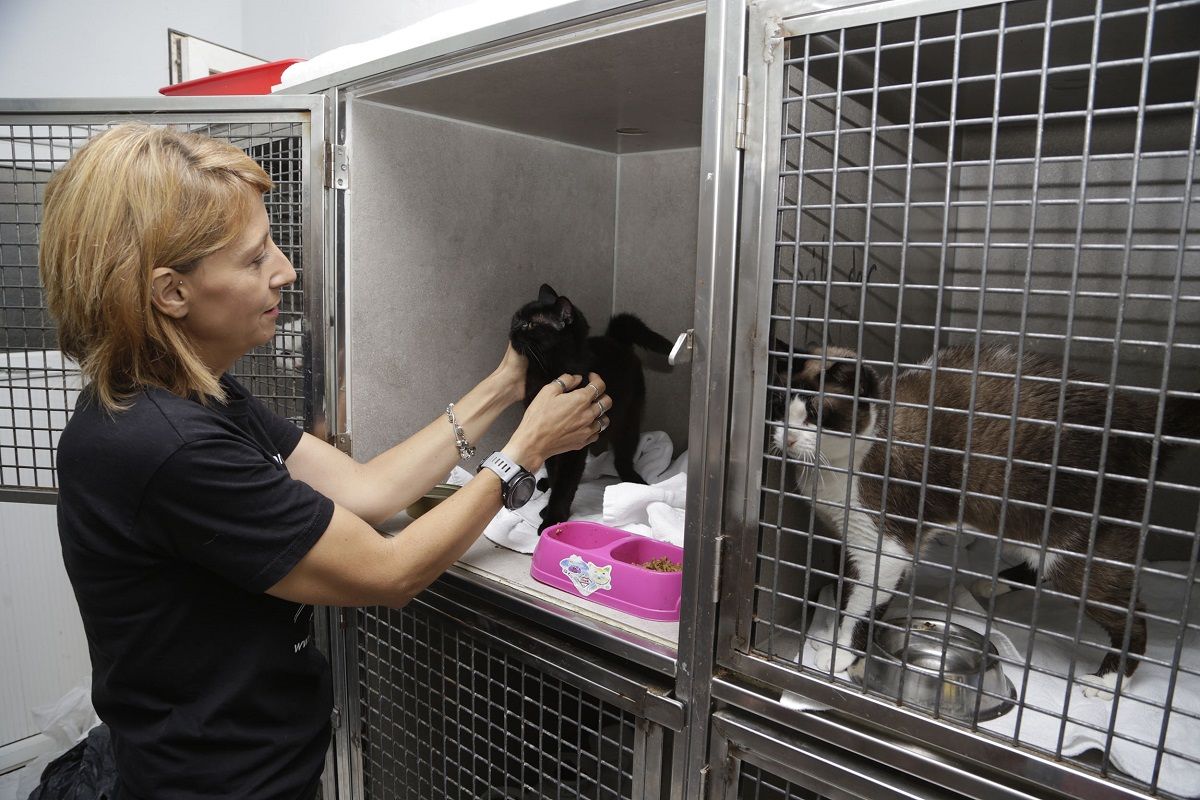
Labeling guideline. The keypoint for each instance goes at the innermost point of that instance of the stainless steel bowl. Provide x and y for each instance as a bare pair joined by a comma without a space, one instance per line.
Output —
934,665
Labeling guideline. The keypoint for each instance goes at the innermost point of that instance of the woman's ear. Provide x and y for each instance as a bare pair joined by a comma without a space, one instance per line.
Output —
168,293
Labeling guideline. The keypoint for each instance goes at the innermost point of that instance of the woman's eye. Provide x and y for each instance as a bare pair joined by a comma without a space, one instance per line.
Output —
260,258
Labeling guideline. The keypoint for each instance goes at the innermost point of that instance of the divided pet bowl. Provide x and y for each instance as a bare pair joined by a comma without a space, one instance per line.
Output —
608,566
908,666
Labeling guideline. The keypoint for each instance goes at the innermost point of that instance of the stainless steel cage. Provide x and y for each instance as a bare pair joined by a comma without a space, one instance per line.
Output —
1016,178
457,702
40,386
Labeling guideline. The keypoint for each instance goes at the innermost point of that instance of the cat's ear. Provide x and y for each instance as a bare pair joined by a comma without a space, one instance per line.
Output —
842,374
546,295
566,311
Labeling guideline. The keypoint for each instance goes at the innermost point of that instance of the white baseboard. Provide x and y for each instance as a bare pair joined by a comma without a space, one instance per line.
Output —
21,751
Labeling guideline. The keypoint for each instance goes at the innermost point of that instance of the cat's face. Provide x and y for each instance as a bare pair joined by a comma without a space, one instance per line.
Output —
800,405
545,323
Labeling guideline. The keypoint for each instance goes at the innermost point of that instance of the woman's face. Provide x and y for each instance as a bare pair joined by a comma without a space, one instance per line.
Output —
233,294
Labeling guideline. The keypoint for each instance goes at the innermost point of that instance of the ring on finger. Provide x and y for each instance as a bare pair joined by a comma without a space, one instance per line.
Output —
603,420
595,392
600,406
562,385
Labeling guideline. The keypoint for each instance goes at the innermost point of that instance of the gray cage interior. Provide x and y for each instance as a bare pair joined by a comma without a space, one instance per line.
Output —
1020,174
39,387
470,186
470,189
448,713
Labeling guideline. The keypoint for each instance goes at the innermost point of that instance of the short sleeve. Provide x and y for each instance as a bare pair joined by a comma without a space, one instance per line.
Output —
225,507
283,434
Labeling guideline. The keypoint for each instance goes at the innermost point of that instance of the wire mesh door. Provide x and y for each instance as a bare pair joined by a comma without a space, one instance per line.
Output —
975,426
38,385
453,704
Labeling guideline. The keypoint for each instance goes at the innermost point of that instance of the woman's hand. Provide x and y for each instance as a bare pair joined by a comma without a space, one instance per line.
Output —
564,416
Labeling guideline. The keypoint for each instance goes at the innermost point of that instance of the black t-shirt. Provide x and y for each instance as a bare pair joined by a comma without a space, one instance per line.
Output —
174,519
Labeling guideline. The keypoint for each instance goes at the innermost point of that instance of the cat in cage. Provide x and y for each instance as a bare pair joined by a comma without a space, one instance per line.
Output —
894,534
552,333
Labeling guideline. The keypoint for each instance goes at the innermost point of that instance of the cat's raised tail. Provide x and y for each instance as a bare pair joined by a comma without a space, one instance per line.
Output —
629,329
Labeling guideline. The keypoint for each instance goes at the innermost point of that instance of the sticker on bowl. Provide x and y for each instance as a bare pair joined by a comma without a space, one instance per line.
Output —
586,576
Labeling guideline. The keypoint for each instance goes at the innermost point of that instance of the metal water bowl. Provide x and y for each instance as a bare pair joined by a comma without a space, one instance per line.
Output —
939,667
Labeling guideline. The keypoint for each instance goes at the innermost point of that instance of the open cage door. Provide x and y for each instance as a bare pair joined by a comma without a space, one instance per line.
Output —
284,135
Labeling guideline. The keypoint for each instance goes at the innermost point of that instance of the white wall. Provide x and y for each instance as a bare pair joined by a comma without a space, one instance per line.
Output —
76,48
84,48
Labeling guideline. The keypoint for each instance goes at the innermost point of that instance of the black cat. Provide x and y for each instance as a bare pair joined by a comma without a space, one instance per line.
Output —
553,335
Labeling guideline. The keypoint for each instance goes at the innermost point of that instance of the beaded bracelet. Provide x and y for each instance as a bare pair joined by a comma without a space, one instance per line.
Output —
466,450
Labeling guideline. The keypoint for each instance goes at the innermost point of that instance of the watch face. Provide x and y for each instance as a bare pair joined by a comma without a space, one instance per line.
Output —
520,491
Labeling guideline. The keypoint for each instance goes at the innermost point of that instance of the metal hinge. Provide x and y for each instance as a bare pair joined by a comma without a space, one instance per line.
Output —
337,166
335,718
717,568
342,442
740,135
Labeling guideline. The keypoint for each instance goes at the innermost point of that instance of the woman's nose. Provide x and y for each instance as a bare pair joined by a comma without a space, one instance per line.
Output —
286,276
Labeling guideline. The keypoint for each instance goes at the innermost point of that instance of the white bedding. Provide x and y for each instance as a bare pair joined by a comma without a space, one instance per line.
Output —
1143,702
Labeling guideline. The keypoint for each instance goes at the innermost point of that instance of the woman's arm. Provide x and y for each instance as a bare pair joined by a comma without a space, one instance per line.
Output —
391,481
351,564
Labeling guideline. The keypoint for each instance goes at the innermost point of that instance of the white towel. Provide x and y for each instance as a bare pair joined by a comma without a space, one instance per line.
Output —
518,530
1140,706
655,510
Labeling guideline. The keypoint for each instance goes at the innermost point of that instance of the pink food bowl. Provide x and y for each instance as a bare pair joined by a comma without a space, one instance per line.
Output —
603,564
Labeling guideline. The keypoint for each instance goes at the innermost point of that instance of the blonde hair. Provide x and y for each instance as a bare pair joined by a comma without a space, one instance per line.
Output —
134,198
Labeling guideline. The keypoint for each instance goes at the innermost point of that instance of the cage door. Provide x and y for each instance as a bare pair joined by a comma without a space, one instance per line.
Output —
38,385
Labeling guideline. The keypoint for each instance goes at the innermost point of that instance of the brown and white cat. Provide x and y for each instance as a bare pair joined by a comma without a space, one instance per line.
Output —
879,548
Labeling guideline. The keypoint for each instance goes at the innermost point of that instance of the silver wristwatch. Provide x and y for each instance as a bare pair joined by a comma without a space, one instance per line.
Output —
516,482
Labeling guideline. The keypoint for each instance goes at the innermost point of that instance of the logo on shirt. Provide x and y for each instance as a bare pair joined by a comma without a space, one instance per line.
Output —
303,643
277,459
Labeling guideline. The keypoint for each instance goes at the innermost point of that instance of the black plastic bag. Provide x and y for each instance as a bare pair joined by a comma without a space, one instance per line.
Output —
88,771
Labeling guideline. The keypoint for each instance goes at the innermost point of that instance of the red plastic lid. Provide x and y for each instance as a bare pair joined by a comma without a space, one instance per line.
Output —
257,79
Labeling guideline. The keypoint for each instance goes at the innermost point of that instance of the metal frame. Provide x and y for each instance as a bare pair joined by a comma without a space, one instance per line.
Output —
806,762
992,765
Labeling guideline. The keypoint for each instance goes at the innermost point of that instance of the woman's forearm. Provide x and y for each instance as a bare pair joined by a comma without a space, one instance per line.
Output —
395,478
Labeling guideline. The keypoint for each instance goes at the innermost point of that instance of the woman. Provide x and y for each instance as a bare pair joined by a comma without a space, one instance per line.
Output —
197,527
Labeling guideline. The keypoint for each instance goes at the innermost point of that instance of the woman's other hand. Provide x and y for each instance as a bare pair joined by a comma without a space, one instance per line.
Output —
564,416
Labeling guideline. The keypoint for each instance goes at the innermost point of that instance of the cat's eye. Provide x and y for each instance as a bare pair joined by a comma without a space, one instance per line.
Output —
810,408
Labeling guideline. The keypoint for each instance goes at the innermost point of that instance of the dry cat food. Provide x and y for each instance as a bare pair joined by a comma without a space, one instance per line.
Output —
662,564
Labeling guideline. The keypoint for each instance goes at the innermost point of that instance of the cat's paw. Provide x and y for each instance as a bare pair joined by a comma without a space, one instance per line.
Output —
984,588
839,658
1099,686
